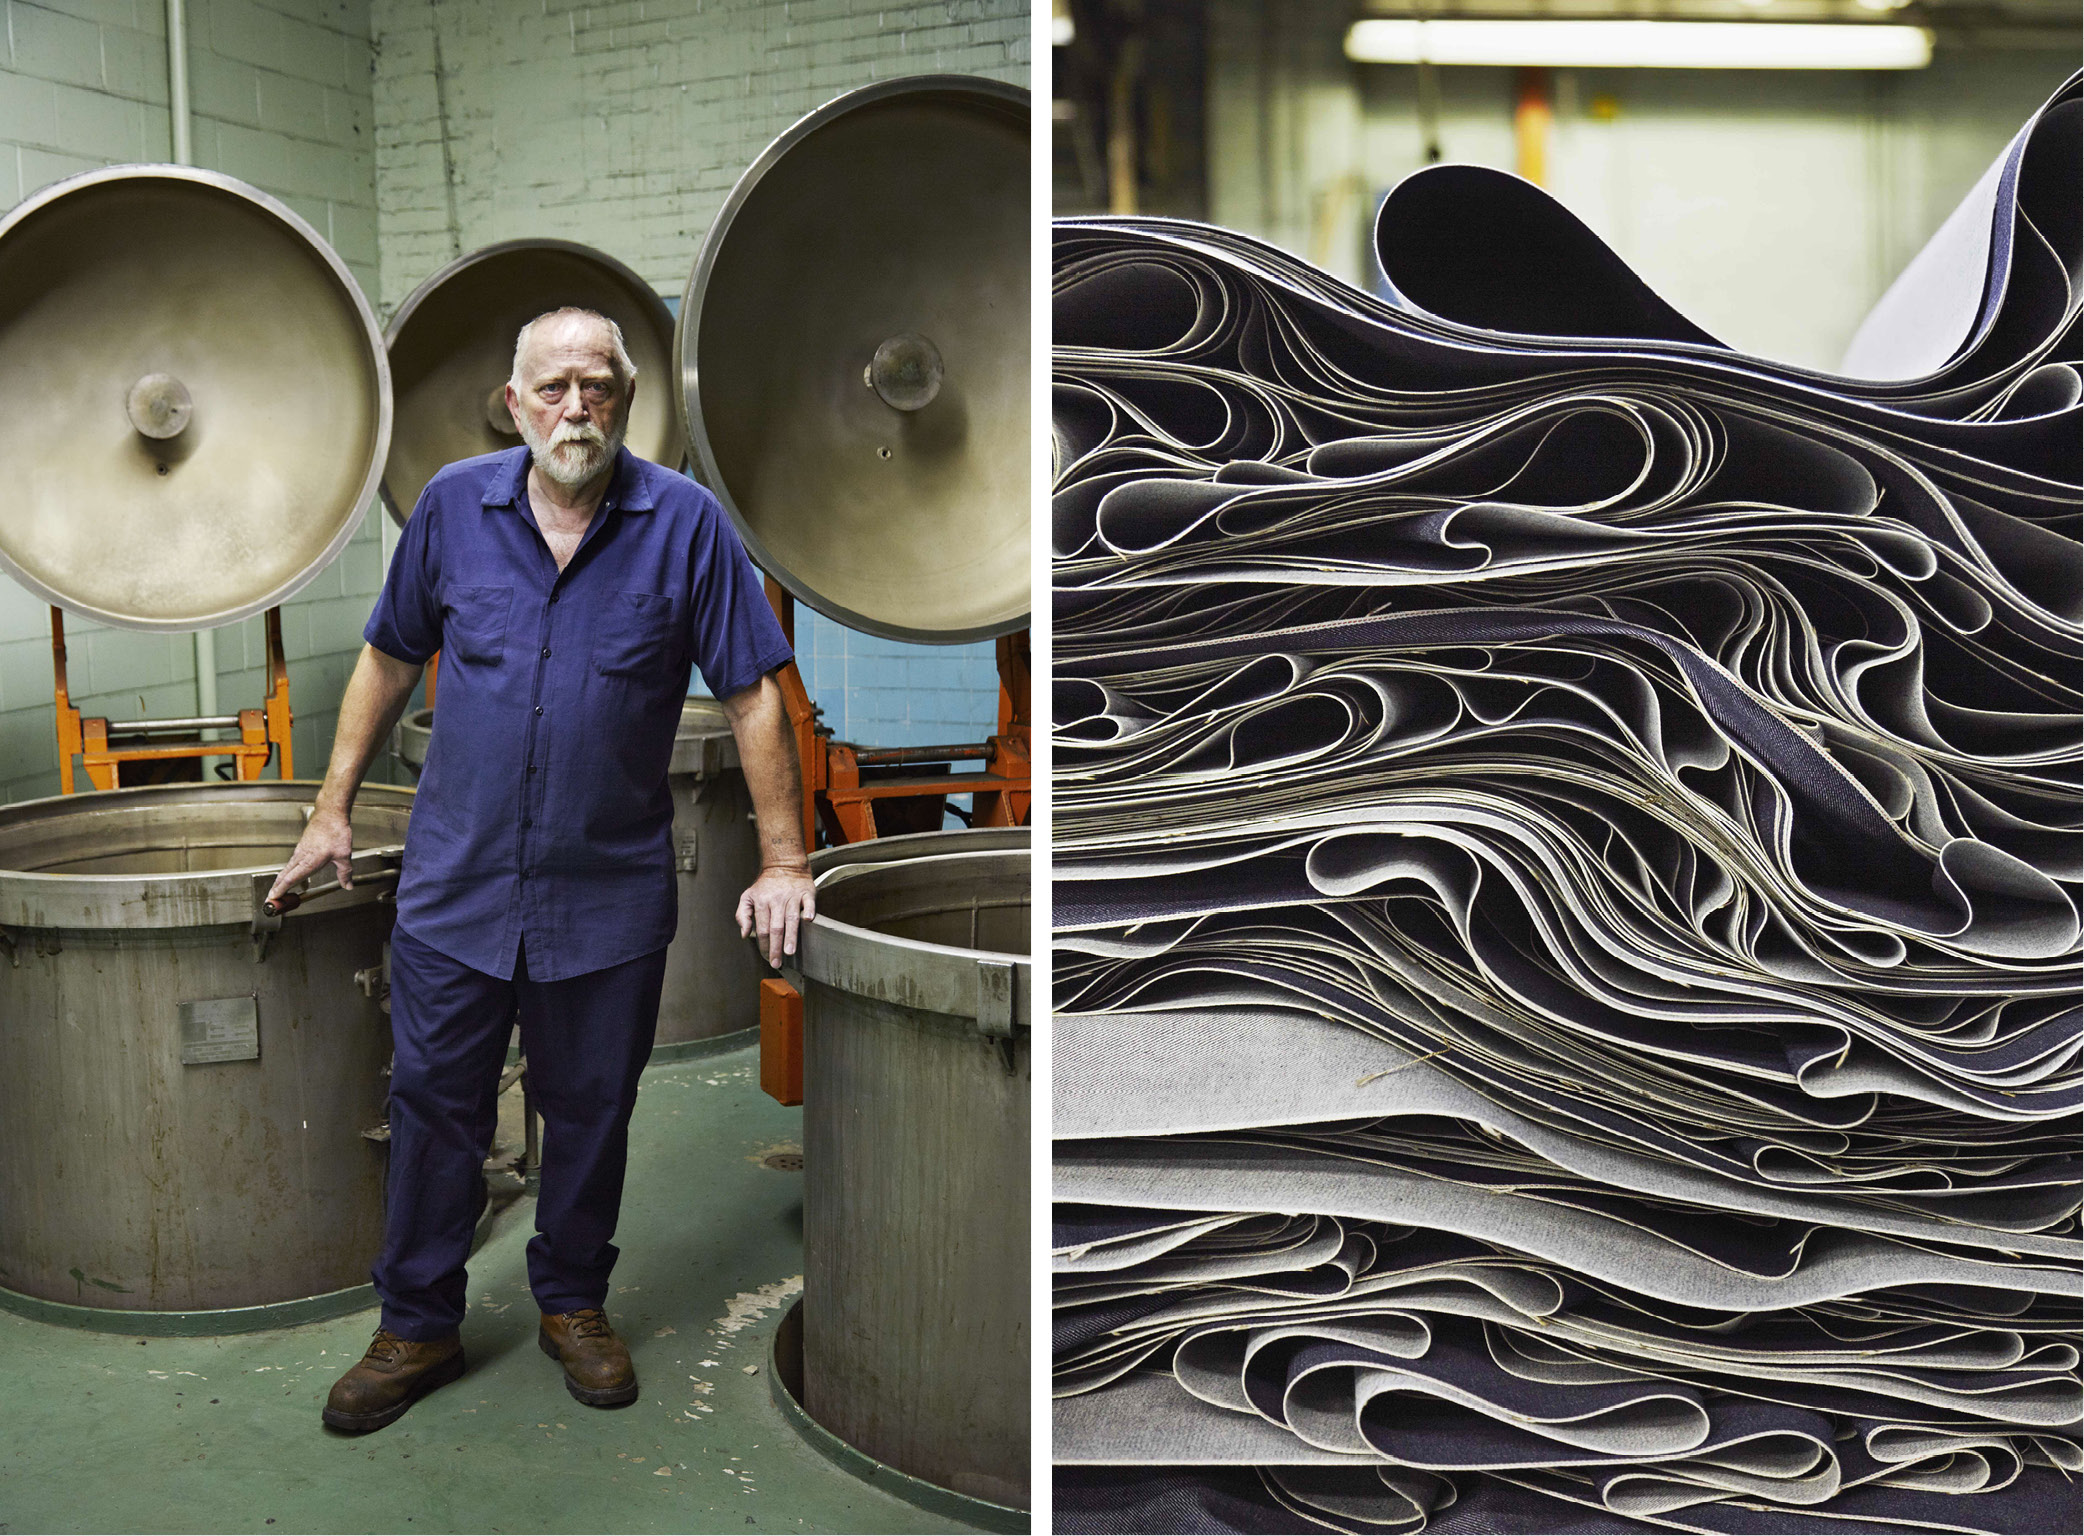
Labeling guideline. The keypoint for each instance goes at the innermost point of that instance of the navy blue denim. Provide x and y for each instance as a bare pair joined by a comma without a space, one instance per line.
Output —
586,1039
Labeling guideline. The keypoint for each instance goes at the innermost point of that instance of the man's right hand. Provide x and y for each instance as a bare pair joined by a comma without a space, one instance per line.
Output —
327,839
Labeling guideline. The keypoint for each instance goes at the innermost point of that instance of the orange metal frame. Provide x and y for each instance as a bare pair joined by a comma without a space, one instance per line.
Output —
263,732
838,804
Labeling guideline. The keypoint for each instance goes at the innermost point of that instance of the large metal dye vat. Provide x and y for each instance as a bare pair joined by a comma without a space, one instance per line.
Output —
712,975
188,1081
415,734
915,1152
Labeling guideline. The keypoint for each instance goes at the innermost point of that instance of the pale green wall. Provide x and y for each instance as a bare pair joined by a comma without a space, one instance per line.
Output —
623,125
281,98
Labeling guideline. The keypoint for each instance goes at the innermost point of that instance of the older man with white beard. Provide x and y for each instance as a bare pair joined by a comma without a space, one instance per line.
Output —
568,586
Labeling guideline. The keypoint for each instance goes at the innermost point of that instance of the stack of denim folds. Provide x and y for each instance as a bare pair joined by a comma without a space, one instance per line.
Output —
1567,885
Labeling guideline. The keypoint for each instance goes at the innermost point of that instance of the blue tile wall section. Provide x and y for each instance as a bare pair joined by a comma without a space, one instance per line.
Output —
884,693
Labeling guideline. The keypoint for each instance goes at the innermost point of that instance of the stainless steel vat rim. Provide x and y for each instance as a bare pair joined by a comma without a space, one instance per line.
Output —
686,369
935,978
379,356
709,717
704,745
211,1323
947,854
207,898
916,845
419,295
783,1367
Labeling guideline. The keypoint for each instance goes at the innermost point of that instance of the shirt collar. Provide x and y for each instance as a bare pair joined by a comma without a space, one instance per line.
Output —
629,489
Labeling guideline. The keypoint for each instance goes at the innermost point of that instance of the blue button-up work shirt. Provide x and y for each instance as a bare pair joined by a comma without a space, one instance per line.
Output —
543,815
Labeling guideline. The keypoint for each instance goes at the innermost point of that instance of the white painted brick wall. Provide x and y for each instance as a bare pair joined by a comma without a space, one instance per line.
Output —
624,125
280,91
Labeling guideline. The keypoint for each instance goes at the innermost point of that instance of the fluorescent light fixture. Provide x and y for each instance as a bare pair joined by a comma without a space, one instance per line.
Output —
1062,29
1642,44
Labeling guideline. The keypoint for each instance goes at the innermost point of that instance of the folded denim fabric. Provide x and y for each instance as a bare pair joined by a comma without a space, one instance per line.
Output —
1568,874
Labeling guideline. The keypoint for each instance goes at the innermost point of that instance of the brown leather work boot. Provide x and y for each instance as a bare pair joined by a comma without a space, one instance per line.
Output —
390,1378
597,1369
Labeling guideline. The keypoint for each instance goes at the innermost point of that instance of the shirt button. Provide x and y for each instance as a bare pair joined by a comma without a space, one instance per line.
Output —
525,874
539,709
526,823
546,650
553,597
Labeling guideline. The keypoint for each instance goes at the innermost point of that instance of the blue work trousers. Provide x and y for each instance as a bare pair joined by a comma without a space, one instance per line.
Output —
586,1039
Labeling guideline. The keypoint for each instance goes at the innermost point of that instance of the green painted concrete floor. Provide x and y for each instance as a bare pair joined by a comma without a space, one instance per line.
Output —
103,1432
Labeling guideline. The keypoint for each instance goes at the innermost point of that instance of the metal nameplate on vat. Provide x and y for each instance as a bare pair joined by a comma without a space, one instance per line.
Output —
220,1029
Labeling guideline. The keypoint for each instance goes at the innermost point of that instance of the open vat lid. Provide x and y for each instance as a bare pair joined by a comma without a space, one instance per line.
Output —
883,482
451,348
203,404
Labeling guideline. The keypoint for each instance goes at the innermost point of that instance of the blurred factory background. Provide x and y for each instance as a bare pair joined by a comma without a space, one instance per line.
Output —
408,133
1772,206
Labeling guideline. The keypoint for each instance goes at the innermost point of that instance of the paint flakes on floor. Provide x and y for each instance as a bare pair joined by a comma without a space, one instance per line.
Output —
748,1307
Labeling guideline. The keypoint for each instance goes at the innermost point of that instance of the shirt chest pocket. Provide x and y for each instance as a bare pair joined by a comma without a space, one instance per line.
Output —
635,636
475,626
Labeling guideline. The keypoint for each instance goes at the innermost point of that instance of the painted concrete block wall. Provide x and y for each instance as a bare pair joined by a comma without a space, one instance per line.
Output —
882,694
281,98
624,126
1772,207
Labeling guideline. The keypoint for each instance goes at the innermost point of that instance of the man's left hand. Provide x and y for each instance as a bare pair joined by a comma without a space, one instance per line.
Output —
775,906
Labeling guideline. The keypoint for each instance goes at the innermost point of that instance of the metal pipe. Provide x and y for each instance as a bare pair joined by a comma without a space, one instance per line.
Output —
883,757
1122,156
206,679
160,727
1531,116
177,80
184,154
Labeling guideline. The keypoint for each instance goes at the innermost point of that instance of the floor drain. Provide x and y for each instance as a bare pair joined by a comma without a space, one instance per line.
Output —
785,1162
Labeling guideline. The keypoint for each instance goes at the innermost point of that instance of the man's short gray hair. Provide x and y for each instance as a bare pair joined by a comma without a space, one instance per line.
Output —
625,370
